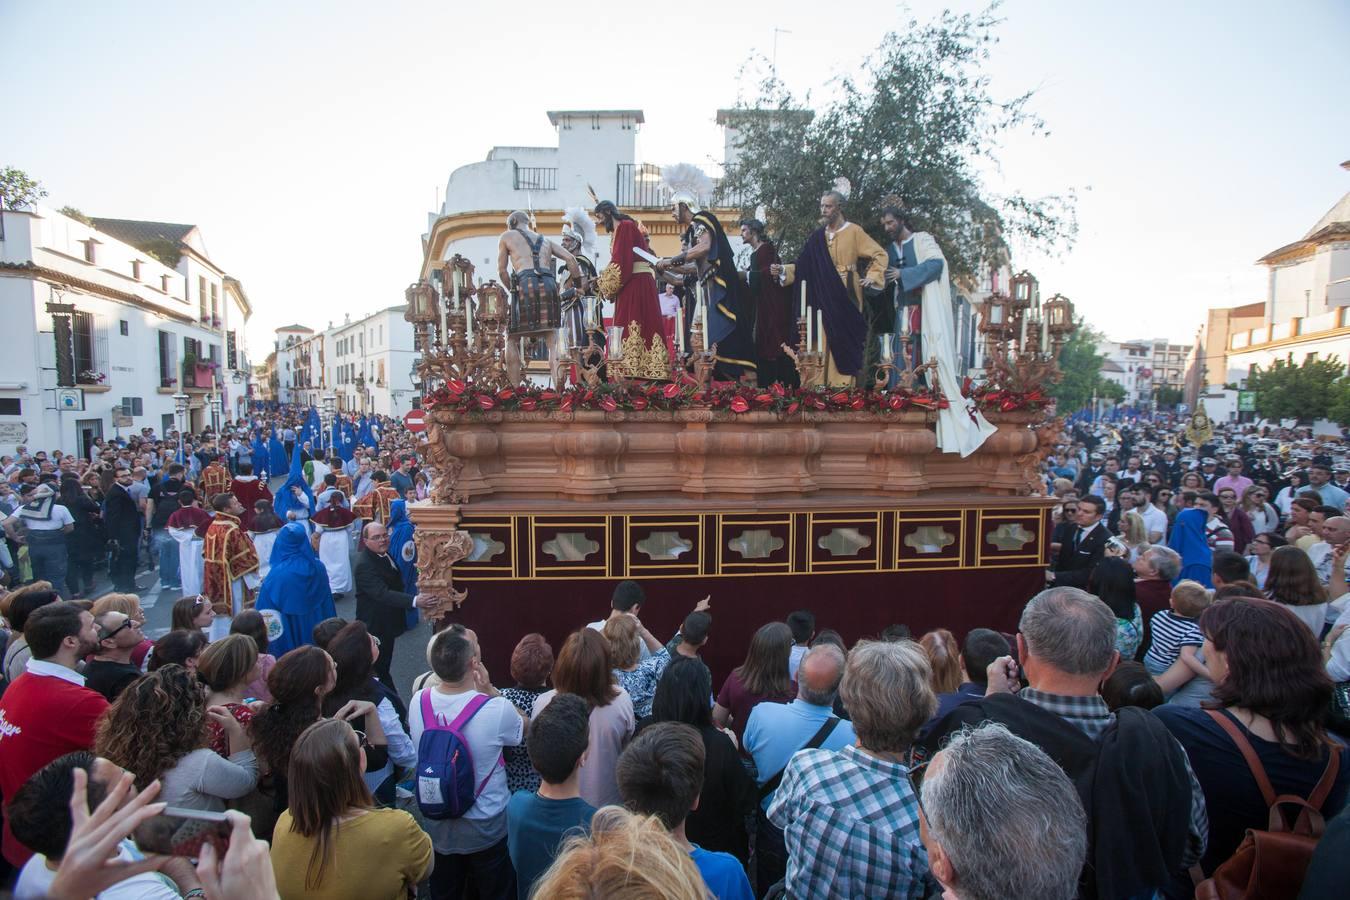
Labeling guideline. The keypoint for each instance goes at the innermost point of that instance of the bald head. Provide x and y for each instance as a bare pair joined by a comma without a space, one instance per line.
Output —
1336,530
518,219
819,675
375,537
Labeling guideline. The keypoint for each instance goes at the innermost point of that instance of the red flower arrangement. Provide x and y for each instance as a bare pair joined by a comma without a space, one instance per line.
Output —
466,398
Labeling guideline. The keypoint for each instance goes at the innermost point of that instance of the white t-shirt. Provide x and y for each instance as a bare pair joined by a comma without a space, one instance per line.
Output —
35,881
496,725
60,518
1155,520
795,659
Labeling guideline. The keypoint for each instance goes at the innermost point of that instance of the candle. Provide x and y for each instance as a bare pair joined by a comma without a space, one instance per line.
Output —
454,279
679,327
803,313
707,338
1022,335
820,330
807,346
468,322
1045,334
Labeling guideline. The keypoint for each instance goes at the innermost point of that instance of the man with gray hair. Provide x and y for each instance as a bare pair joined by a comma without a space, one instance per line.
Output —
851,819
776,731
1146,809
1154,571
1001,819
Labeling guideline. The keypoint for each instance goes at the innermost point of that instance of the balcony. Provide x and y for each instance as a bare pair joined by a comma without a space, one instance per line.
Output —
535,179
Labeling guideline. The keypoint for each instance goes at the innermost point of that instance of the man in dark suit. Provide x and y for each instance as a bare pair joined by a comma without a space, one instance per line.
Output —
123,519
380,600
1081,553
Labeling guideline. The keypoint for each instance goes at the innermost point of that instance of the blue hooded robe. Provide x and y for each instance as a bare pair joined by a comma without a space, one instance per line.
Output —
295,590
1190,541
403,551
285,500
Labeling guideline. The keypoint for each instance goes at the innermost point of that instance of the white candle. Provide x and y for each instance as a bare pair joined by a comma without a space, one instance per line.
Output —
468,322
807,348
1045,335
820,330
454,278
707,338
1022,338
679,327
803,313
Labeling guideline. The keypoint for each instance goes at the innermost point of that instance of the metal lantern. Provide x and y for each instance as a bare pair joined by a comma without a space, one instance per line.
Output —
996,315
421,303
1025,291
1059,316
490,301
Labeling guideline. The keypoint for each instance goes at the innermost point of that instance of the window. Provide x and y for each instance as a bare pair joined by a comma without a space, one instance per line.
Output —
231,350
380,380
166,424
381,343
201,297
10,406
168,360
124,327
164,283
86,345
215,306
136,269
131,406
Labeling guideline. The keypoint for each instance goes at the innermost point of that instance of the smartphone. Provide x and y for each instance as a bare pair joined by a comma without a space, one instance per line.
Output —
183,832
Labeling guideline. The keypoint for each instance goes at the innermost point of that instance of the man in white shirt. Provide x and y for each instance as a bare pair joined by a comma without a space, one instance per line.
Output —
627,601
1155,520
46,525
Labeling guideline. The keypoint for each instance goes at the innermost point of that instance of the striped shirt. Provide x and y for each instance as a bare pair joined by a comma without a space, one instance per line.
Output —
1171,632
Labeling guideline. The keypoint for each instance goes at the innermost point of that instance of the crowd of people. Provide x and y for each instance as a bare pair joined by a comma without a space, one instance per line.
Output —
1182,674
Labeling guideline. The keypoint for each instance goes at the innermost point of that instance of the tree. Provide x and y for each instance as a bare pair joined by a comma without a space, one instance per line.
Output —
1304,392
1081,366
1169,396
914,125
1110,390
17,190
71,212
1338,409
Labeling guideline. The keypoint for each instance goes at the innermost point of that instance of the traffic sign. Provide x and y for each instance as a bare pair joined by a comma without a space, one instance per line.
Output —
415,420
1246,401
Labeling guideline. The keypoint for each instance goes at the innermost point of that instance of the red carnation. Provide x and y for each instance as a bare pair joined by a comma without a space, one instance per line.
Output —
740,405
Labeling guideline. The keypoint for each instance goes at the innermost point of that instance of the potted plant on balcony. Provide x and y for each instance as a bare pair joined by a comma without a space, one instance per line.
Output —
189,370
89,376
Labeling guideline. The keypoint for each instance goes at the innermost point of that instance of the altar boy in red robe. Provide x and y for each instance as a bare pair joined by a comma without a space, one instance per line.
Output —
249,489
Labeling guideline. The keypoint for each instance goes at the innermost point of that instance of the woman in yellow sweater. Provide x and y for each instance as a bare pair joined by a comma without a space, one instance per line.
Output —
333,842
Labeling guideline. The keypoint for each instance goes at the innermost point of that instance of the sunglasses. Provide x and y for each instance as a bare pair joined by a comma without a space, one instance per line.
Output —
129,623
361,740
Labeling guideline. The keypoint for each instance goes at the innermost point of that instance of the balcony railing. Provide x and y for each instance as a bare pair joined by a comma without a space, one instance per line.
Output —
536,179
638,186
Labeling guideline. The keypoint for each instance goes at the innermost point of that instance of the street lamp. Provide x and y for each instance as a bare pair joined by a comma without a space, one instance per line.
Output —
361,390
329,411
180,407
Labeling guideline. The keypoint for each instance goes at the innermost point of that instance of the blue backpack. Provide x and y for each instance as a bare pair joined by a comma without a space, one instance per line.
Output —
445,775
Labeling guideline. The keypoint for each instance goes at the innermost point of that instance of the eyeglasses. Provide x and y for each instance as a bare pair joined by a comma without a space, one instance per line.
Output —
361,740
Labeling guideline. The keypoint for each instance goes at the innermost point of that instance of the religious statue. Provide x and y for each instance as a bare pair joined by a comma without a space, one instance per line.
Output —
578,239
828,264
634,288
535,302
706,256
771,303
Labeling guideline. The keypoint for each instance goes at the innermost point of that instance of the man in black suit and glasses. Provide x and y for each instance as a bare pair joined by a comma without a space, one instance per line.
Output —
1083,549
380,600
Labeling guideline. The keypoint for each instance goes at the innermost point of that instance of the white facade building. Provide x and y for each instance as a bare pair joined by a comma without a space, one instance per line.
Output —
366,364
1128,364
123,314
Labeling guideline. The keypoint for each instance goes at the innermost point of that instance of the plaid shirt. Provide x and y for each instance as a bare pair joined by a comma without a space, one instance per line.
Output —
1091,715
851,826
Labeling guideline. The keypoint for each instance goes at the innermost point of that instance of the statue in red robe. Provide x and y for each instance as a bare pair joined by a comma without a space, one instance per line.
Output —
228,556
636,299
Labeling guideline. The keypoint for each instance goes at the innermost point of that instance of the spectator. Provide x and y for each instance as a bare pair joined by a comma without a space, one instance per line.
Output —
47,711
85,542
1002,819
226,668
537,821
46,524
1229,567
1145,809
333,842
802,622
163,503
41,815
1246,640
1086,547
250,622
624,856
944,660
637,678
531,665
191,614
761,678
1292,581
21,604
661,773
583,669
157,730
777,731
981,648
130,604
473,845
692,636
1131,685
1112,582
179,648
380,600
627,599
296,590
111,668
851,818
1154,571
354,651
1258,562
728,793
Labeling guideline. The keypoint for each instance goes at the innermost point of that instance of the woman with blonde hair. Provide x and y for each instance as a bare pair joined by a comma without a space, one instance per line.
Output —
625,857
1134,533
945,660
635,675
333,841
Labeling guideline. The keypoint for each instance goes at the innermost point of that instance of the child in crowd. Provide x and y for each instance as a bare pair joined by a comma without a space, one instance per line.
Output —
538,821
803,625
1173,655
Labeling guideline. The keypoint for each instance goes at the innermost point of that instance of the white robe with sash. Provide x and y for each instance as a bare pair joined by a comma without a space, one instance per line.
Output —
960,427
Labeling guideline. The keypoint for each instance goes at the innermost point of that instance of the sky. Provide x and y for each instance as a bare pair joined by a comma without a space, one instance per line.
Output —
309,140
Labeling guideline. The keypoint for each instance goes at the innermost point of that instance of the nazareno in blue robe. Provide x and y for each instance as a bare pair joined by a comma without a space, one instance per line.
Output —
403,551
1191,542
295,591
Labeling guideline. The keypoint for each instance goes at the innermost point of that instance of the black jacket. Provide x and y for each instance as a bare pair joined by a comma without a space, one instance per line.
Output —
380,600
1073,565
121,514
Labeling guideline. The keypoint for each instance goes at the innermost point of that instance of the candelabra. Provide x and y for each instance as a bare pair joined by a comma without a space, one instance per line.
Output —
810,363
907,374
703,360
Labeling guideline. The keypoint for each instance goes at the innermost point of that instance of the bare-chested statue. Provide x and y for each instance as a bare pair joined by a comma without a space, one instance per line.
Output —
535,304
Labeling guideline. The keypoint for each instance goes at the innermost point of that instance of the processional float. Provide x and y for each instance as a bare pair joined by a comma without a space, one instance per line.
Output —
632,462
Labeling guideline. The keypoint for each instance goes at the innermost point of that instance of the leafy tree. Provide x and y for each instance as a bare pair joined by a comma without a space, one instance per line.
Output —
17,190
1081,367
1169,396
915,124
1338,409
1304,392
71,212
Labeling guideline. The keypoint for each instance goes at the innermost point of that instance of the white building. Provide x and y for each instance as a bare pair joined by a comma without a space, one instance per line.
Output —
366,364
1129,364
124,314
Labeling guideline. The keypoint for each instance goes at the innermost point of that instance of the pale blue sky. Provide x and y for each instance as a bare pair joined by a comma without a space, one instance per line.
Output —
309,140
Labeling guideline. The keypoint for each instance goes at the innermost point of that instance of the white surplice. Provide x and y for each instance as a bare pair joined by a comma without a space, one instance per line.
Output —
335,546
191,561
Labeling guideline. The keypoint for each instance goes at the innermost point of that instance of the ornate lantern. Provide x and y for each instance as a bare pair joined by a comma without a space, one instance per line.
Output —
491,302
1059,316
457,280
996,314
1026,292
421,303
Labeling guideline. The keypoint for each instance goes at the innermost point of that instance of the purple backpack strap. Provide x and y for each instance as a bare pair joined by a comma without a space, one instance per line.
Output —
431,720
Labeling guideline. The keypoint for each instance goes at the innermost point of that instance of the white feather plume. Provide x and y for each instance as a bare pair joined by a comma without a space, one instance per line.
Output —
686,180
843,186
576,221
